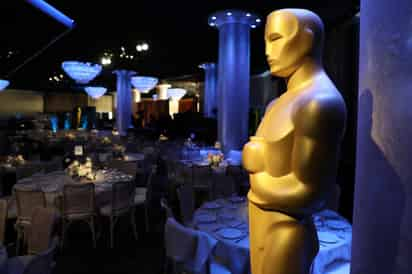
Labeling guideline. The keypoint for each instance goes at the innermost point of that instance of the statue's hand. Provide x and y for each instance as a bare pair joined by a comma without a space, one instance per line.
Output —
253,155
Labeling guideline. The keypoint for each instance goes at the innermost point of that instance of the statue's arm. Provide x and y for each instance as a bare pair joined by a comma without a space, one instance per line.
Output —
319,126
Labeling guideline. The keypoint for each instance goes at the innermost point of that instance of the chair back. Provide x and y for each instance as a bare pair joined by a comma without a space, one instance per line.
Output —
188,247
42,229
3,219
180,242
78,199
222,185
201,175
165,206
27,200
149,186
183,173
185,194
43,262
122,197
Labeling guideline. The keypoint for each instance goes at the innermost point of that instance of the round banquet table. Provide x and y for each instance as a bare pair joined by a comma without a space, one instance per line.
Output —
52,185
227,221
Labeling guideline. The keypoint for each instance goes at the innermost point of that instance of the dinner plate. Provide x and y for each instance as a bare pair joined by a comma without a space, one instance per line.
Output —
237,199
336,224
230,233
211,205
327,237
205,218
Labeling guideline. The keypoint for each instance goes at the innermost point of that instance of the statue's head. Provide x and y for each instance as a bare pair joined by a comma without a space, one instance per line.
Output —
292,35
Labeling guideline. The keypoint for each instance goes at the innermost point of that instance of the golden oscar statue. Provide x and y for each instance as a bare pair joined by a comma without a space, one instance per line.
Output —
292,160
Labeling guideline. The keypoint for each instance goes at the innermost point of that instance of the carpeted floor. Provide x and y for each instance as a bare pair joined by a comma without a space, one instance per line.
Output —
129,256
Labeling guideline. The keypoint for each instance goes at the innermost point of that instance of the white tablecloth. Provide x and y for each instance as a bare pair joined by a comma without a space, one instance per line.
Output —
52,185
231,215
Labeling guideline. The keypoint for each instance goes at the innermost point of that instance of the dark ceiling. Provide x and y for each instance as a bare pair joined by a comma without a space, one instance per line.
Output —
177,32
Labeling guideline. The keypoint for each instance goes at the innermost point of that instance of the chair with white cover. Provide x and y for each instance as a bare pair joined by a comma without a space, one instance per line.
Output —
222,185
186,196
122,204
143,196
26,200
201,179
3,219
78,205
41,263
190,250
166,208
42,230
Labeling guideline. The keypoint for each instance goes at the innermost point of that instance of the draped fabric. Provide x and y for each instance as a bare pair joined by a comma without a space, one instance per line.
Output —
153,110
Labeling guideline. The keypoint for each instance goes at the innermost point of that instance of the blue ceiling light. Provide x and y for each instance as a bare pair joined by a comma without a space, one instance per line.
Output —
95,92
144,83
4,84
81,72
176,93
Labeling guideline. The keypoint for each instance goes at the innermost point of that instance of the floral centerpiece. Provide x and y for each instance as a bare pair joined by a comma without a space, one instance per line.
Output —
15,160
106,141
81,170
115,132
214,159
70,136
118,151
163,138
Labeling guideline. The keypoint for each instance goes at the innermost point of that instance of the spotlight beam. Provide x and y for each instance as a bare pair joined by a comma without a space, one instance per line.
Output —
52,12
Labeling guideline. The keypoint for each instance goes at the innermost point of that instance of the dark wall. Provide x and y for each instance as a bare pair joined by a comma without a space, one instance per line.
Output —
341,62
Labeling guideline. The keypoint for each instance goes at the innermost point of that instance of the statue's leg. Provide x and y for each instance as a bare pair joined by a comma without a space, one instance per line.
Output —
289,249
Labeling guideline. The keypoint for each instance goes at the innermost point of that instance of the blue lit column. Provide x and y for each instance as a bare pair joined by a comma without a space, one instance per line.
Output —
124,101
233,74
382,215
209,96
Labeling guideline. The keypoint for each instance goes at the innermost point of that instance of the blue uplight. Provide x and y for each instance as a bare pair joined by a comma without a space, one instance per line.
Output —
54,123
4,84
144,83
81,72
67,123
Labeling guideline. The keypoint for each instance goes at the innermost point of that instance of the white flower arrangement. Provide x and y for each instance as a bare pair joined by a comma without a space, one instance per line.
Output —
214,159
106,141
118,151
16,160
76,169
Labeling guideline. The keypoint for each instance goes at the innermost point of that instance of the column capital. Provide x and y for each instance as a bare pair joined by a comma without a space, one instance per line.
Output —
220,18
119,72
206,66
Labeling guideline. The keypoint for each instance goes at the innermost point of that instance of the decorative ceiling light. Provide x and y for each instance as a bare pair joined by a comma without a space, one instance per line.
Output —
4,84
95,92
144,84
81,72
176,93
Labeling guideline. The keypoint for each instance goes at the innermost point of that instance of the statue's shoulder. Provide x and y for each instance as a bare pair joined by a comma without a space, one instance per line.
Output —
323,110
